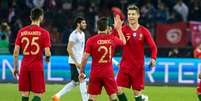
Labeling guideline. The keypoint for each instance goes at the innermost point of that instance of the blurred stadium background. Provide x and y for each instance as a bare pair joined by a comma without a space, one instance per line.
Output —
174,24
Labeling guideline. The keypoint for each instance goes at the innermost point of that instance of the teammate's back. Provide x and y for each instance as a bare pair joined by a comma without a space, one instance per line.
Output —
101,47
32,39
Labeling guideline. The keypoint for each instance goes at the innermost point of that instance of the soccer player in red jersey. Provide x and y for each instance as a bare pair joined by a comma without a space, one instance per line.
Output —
197,52
32,40
199,88
101,48
131,73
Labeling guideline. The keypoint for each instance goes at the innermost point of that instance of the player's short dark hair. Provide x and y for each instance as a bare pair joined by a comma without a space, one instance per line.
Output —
78,20
133,7
36,13
102,24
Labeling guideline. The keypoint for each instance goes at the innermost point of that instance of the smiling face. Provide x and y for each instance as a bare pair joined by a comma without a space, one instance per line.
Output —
133,14
83,25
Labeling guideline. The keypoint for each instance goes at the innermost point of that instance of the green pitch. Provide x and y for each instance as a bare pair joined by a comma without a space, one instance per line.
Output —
8,92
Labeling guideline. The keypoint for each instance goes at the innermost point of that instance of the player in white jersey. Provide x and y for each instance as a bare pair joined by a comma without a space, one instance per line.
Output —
75,50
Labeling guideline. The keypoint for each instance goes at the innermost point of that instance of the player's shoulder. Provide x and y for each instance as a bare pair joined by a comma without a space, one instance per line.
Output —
42,29
125,26
24,28
74,32
143,28
93,37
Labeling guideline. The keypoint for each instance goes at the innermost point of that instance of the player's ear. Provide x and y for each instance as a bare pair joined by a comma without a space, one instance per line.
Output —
30,17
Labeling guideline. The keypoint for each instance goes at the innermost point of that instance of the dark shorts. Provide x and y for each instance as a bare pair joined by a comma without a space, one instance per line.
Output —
74,73
32,81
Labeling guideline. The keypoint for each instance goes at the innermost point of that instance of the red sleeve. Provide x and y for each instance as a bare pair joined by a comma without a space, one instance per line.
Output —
151,44
17,41
47,42
114,32
117,41
88,46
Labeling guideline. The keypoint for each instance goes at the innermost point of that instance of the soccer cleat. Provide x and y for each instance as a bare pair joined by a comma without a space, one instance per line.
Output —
145,98
55,98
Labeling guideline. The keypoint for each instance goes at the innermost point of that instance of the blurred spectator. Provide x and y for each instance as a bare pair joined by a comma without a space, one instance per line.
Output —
195,10
182,9
4,30
4,45
174,17
197,52
38,3
148,14
162,13
174,53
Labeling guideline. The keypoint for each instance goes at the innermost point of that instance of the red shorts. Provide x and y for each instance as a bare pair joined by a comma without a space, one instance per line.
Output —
133,78
96,84
32,81
199,88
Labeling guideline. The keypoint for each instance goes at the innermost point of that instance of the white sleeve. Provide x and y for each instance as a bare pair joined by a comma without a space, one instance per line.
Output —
72,37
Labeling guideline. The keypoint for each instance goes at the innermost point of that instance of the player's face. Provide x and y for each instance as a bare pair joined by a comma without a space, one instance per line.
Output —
109,29
133,16
83,25
41,18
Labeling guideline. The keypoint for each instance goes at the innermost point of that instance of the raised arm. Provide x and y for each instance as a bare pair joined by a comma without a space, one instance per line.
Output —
118,27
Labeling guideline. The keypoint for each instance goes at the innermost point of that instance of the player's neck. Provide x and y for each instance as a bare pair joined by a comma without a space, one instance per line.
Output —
134,26
79,30
102,32
37,23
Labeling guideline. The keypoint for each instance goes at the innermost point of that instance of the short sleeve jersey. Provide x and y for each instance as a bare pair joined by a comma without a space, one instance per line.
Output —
78,38
32,40
101,47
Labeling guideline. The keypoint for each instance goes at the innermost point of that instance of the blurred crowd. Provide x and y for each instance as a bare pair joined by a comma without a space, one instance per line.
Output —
59,15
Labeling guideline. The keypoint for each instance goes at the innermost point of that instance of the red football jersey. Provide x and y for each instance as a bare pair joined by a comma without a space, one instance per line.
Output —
101,47
197,53
133,51
32,40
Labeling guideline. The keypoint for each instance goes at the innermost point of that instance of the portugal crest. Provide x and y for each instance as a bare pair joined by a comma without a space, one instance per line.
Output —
134,35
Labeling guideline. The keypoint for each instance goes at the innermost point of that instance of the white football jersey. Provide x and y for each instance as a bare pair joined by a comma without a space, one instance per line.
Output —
78,38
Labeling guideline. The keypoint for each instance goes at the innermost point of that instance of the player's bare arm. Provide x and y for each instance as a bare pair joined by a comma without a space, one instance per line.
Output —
70,52
118,27
47,54
15,55
84,62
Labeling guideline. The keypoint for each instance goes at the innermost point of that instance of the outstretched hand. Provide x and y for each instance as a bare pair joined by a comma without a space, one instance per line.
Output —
15,73
199,75
82,76
117,22
152,63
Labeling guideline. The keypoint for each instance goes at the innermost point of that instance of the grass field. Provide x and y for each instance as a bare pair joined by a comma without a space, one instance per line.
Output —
156,93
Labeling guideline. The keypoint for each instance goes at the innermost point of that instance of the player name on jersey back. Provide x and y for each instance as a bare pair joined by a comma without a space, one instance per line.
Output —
100,42
25,33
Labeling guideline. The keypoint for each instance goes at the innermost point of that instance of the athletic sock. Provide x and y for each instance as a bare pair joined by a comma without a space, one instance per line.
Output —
199,96
122,97
24,98
83,90
90,100
138,98
66,88
36,98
